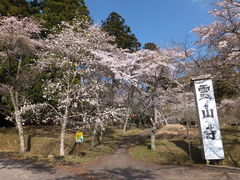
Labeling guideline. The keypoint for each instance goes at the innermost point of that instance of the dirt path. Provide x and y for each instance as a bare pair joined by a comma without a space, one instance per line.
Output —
119,166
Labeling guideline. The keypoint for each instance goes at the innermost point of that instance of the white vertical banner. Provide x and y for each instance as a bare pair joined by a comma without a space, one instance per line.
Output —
208,118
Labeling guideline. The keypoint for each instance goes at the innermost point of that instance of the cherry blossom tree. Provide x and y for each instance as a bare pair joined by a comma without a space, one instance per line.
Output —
18,40
220,41
157,73
87,64
229,111
82,79
151,72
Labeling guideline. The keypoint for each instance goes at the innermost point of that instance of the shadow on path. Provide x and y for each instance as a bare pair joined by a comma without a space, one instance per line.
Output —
127,173
12,169
29,165
134,140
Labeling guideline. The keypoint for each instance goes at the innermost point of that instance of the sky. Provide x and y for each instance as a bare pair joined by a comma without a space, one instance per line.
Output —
157,21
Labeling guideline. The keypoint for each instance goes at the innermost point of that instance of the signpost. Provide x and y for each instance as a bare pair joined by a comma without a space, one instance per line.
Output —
77,144
212,147
79,137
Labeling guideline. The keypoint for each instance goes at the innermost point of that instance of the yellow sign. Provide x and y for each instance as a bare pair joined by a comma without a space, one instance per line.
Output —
79,136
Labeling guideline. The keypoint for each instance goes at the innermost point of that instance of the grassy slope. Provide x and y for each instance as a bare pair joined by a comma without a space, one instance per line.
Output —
45,142
172,147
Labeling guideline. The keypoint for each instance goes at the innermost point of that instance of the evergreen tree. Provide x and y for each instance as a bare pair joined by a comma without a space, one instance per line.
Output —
150,46
36,6
115,26
15,8
55,11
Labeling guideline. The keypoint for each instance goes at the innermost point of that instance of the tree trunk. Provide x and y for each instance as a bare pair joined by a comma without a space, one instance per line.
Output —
154,129
153,137
101,133
62,138
184,115
187,121
165,120
17,114
94,135
20,131
19,66
126,120
63,130
129,105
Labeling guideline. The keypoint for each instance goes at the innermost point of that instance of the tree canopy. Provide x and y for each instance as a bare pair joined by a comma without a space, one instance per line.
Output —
115,26
53,12
150,46
15,8
220,42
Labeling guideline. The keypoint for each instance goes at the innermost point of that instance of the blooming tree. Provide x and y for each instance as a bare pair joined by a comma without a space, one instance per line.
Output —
156,70
229,111
82,79
221,41
18,39
148,71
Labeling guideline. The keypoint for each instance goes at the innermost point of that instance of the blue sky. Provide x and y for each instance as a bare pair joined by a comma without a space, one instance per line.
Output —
158,21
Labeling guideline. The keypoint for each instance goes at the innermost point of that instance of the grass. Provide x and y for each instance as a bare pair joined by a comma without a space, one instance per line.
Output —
172,147
231,143
166,153
45,145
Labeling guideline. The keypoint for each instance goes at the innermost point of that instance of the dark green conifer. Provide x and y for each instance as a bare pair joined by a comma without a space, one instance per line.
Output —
15,8
115,26
54,12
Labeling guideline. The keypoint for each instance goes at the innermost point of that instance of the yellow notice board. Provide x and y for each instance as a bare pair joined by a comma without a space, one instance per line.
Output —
79,136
